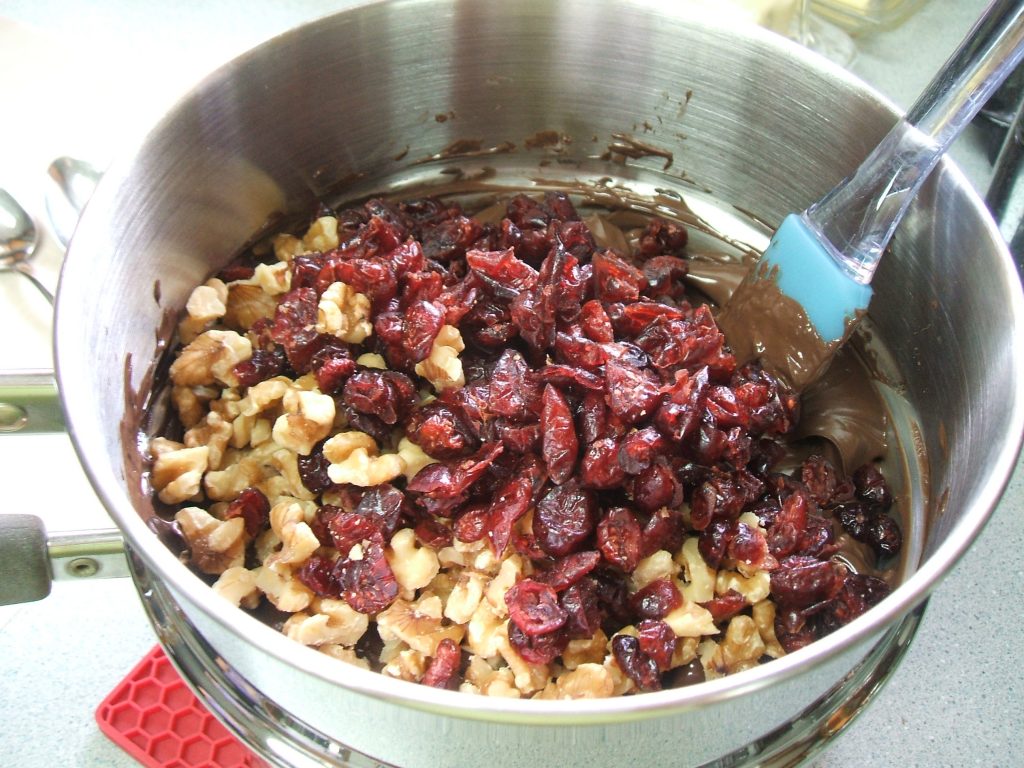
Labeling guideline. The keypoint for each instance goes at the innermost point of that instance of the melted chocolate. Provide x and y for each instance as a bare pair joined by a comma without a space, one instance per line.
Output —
759,318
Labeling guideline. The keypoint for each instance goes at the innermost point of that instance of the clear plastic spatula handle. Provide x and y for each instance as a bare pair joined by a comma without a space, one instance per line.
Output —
857,218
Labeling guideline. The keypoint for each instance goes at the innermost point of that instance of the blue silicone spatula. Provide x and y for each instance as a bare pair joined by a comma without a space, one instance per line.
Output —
822,260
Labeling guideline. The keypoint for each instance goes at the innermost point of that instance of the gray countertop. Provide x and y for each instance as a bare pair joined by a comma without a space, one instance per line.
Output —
78,78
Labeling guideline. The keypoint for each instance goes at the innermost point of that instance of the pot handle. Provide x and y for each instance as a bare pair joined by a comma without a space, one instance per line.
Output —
31,560
29,402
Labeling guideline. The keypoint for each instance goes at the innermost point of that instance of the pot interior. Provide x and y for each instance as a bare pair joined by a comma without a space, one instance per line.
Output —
395,94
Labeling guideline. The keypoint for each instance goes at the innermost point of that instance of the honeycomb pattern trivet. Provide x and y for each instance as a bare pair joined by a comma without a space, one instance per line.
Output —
154,717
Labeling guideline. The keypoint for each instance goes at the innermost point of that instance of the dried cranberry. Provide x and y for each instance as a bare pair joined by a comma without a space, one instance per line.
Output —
714,541
871,486
350,528
564,519
656,487
637,665
568,376
724,607
615,279
294,326
618,538
511,501
262,365
664,276
318,574
332,366
533,313
820,477
582,609
537,649
600,467
471,524
253,507
431,532
443,669
511,394
681,409
657,599
440,430
640,448
448,240
860,592
593,417
568,570
595,322
384,505
657,641
506,275
577,350
786,533
884,536
313,470
631,319
443,485
664,530
632,393
560,446
723,495
801,581
420,326
748,545
661,236
534,607
368,585
387,395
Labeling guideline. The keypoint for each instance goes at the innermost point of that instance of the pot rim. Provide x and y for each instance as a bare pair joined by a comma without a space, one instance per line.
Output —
88,438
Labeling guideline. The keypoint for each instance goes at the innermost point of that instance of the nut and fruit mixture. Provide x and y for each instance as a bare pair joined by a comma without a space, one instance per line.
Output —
501,458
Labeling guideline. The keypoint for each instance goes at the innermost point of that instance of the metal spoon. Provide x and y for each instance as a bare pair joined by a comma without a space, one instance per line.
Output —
74,182
18,239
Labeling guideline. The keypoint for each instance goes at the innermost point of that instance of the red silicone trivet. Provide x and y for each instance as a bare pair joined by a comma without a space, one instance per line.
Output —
154,717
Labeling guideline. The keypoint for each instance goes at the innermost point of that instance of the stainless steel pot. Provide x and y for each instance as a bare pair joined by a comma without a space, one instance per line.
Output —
377,97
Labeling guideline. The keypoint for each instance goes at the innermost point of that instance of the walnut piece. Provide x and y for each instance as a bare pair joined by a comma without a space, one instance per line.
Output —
344,313
414,566
322,234
307,420
465,597
216,545
353,459
178,474
286,247
214,433
415,458
247,304
288,521
659,565
204,306
741,647
419,624
335,622
238,585
691,620
442,368
284,591
700,578
587,681
210,359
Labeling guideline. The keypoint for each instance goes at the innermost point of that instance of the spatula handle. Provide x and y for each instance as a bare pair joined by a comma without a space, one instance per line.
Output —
859,216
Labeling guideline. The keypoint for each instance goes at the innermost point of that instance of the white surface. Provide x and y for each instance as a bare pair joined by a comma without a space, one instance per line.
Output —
81,80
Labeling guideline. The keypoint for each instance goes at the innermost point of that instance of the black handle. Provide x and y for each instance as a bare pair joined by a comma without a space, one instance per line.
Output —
24,562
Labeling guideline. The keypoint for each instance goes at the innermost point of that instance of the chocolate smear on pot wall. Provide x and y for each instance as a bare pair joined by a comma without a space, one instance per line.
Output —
623,147
146,413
